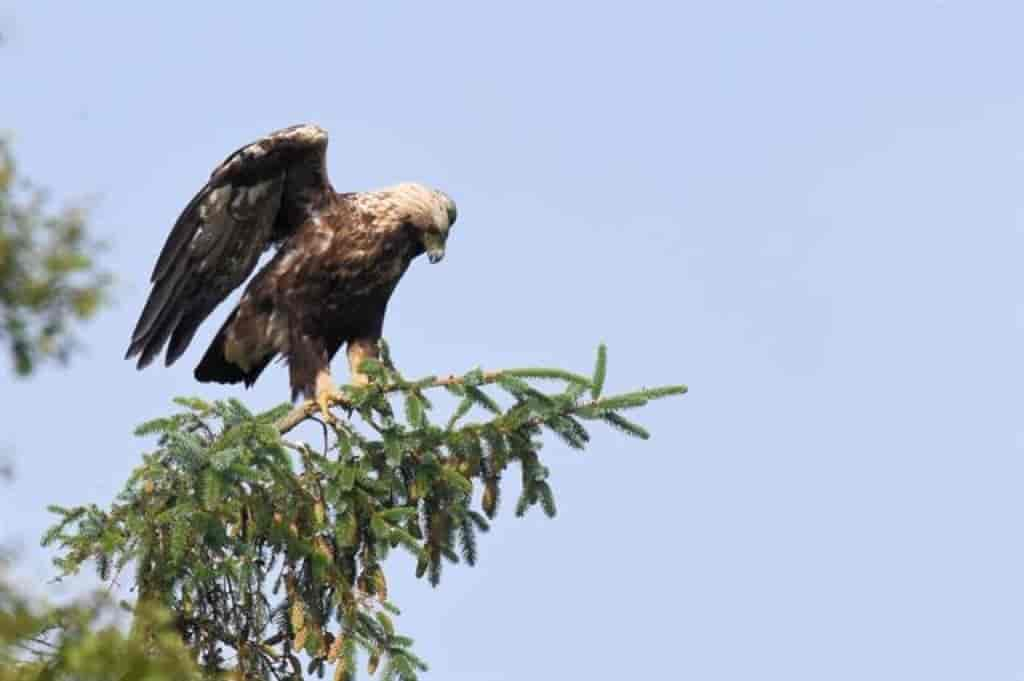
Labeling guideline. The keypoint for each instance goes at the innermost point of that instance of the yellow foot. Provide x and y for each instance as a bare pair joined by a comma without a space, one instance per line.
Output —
326,394
323,401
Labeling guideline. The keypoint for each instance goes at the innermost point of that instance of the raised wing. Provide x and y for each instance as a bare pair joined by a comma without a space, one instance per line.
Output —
258,196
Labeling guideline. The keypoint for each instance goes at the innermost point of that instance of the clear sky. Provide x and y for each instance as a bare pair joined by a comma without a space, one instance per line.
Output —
809,212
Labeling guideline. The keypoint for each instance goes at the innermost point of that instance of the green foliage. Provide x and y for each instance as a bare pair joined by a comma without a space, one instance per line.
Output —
600,370
271,553
83,642
48,279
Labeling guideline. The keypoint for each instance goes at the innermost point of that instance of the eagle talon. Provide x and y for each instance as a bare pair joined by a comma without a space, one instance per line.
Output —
324,402
327,394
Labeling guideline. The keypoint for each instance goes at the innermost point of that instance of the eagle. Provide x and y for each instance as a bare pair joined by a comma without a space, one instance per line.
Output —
339,257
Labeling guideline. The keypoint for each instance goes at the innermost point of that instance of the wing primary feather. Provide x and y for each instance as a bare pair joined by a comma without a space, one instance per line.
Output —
159,336
244,208
162,294
181,235
184,332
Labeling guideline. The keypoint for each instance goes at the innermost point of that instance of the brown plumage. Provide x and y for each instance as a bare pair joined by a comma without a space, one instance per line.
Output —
338,261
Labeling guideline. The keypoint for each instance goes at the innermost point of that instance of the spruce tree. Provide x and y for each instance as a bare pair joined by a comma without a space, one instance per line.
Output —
256,555
49,279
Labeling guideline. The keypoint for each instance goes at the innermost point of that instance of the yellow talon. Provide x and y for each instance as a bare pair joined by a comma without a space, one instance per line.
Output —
324,402
326,394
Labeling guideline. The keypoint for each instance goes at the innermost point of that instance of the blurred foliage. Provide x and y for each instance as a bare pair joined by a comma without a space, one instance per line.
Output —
48,283
87,641
49,280
270,553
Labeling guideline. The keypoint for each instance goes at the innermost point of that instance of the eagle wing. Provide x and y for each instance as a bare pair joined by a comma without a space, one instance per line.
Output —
256,198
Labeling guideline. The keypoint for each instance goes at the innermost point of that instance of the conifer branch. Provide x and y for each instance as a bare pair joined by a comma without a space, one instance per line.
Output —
308,408
227,511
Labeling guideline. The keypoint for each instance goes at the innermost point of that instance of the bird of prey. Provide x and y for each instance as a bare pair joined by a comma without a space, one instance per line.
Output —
339,257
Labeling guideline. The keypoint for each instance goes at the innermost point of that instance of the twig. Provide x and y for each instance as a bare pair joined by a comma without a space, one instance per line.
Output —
308,408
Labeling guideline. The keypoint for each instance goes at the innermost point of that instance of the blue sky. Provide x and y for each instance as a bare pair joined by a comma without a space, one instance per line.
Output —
807,211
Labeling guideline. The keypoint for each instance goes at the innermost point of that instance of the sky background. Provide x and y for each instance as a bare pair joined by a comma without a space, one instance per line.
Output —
809,212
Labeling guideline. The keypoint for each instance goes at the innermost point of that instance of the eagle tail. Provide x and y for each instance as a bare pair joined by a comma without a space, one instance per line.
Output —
215,367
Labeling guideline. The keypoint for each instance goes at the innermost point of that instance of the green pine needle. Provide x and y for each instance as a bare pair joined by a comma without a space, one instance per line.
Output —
624,401
626,426
547,374
194,403
547,499
658,393
569,430
415,410
482,399
600,371
523,504
434,569
464,406
467,540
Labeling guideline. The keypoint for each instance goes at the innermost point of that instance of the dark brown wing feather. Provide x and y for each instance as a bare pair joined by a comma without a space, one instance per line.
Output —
258,196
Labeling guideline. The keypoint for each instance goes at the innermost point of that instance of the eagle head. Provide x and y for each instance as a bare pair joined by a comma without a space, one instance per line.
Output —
429,213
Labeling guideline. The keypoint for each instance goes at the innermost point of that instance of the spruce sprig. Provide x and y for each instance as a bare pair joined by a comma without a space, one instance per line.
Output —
265,549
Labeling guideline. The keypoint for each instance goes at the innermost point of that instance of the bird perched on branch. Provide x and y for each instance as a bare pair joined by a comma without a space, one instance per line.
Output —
339,258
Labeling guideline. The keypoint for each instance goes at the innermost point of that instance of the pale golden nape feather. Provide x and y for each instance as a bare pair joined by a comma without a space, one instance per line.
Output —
409,202
429,212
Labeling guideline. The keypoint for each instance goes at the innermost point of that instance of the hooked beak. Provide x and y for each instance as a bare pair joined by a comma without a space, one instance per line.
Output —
433,244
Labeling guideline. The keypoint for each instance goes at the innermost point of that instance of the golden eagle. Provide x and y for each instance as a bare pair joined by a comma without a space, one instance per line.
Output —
339,258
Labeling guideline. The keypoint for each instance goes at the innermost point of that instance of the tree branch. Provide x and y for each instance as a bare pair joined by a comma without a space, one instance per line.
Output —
308,408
